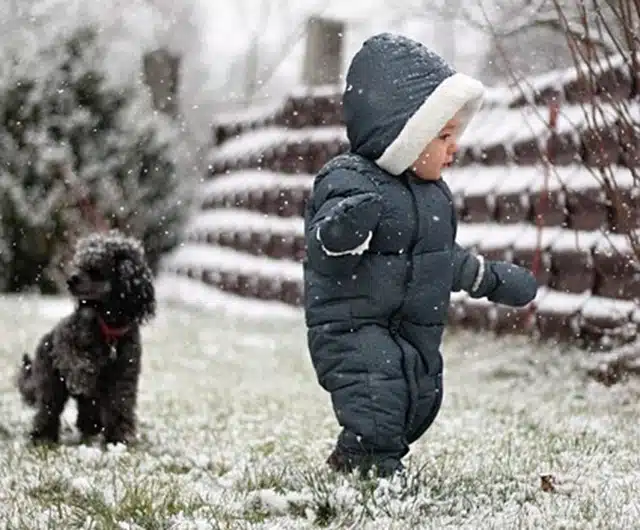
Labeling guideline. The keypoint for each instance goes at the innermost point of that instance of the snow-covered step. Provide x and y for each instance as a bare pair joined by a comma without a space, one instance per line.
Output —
278,147
563,196
237,272
587,317
254,179
182,289
524,236
305,106
491,126
276,194
242,284
201,256
226,219
496,137
476,180
483,237
553,315
612,76
582,317
246,231
567,260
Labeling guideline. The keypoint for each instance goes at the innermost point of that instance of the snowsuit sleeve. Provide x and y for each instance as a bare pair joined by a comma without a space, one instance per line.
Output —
499,281
342,215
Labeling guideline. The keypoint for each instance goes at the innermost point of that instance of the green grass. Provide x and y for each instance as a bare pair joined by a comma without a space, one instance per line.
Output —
234,431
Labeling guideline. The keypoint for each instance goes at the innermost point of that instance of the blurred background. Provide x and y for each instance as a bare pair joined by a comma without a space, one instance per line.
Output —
107,108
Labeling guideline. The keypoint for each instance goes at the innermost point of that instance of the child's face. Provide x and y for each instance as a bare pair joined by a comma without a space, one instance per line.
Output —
439,152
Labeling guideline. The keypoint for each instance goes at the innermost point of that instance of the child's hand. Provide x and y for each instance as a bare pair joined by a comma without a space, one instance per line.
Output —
348,226
509,284
499,281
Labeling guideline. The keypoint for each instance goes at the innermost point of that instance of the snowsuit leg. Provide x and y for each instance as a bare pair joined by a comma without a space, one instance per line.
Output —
424,366
364,371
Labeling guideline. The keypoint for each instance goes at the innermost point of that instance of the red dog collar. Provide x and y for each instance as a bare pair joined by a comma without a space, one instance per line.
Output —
110,333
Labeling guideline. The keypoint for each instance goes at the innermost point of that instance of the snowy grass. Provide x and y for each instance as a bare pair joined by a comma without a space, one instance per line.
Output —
234,432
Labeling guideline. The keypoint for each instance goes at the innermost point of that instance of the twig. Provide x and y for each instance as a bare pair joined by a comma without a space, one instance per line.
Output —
589,67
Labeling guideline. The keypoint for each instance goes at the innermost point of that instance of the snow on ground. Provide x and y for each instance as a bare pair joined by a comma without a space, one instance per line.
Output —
234,432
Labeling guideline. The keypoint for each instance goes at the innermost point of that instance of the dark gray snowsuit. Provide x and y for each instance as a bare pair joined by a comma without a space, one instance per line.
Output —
381,254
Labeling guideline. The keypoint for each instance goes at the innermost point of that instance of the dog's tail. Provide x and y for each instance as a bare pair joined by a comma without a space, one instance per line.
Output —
25,381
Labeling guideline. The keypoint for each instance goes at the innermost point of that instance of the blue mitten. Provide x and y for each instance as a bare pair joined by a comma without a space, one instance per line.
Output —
349,224
514,286
499,281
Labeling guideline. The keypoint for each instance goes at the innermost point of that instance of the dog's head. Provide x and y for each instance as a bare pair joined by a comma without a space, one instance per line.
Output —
110,272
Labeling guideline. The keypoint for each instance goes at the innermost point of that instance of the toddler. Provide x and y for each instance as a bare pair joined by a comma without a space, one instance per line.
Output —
381,262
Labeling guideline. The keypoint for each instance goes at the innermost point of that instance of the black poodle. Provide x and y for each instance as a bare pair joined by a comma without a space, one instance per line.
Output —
94,354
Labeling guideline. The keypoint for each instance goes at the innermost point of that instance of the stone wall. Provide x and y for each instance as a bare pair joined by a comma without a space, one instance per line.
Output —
557,219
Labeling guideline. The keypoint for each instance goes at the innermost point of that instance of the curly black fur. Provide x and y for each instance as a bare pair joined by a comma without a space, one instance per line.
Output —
80,358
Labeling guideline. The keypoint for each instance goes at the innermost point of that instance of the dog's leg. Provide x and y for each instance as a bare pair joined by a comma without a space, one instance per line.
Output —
88,421
120,395
51,395
25,382
52,399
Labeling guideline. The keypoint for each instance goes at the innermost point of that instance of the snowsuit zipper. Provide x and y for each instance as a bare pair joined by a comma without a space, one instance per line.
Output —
410,362
414,236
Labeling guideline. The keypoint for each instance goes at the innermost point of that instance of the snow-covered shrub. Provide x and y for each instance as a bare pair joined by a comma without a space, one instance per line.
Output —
79,153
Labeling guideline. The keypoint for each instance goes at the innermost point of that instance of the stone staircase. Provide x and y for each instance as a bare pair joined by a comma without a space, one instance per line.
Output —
247,238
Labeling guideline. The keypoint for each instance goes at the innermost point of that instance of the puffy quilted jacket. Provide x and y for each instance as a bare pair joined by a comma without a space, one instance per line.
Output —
382,260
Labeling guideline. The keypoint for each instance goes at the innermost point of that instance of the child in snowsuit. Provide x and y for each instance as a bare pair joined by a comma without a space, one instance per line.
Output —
382,260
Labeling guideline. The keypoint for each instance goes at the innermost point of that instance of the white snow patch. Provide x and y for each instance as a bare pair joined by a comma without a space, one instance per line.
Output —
247,180
245,220
178,289
235,427
201,256
495,125
258,141
551,301
601,307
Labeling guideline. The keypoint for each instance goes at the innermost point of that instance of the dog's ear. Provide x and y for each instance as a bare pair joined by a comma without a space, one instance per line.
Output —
136,285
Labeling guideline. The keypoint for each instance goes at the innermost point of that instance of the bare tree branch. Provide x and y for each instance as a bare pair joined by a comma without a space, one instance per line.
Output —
601,110
575,31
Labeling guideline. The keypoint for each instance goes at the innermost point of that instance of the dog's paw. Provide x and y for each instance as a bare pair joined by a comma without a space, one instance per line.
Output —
125,439
39,439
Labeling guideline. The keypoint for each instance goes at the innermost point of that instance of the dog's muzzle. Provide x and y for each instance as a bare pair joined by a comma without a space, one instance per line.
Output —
81,286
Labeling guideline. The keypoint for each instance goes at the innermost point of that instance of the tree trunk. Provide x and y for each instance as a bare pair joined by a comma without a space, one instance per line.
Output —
161,75
323,54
